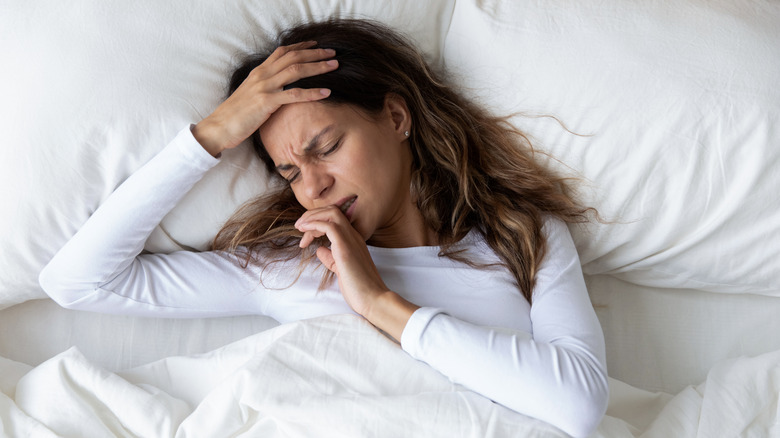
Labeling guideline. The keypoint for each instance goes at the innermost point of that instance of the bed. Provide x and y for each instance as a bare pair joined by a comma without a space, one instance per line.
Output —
668,113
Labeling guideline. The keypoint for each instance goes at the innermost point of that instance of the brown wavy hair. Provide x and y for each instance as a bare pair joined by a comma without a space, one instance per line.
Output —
470,171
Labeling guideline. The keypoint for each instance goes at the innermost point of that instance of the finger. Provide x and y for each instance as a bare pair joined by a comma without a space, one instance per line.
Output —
330,213
326,257
306,55
298,71
319,229
308,238
274,77
297,57
294,95
283,50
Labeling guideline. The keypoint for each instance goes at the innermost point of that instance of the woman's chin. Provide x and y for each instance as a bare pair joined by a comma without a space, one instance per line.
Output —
363,233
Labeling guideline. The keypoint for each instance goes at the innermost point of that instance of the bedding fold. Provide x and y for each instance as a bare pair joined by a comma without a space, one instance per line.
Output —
338,376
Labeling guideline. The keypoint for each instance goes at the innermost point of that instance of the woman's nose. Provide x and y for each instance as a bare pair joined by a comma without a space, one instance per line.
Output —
316,182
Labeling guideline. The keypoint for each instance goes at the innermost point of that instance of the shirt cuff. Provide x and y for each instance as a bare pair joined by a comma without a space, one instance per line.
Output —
411,337
192,151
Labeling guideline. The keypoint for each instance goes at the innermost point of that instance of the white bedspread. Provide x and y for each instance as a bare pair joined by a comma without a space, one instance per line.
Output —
339,376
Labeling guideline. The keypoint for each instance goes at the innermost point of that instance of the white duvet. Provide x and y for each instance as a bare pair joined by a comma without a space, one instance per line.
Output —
338,376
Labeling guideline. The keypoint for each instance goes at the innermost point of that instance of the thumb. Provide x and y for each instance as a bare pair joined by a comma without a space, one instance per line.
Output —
326,257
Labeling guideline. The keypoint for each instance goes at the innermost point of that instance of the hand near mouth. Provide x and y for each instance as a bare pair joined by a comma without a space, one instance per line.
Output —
344,206
358,278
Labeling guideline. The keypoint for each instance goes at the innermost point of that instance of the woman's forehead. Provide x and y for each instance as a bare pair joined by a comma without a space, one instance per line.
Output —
300,128
294,123
293,119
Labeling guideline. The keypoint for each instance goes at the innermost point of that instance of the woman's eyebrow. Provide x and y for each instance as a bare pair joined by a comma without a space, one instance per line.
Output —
316,140
310,146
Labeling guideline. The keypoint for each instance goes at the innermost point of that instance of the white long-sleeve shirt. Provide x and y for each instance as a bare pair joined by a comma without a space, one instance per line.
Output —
474,326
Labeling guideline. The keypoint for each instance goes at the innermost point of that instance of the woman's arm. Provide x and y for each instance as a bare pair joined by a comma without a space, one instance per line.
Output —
100,268
558,374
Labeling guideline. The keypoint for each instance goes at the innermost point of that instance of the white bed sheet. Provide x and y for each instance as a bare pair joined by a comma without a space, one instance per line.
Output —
657,339
666,339
338,376
37,330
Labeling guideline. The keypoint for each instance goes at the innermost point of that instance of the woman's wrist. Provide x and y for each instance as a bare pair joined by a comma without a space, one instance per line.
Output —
390,312
208,137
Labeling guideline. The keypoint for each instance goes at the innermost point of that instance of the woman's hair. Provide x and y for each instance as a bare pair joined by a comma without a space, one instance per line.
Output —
470,171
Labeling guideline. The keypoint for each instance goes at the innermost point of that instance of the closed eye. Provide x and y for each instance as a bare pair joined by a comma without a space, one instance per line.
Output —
288,173
331,149
292,177
291,173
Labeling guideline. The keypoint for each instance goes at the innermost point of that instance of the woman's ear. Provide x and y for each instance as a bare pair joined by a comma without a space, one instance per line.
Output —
396,107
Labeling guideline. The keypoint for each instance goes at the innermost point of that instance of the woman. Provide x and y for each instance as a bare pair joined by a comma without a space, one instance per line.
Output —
432,216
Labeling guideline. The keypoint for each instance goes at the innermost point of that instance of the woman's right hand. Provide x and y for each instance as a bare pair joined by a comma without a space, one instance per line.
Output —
262,93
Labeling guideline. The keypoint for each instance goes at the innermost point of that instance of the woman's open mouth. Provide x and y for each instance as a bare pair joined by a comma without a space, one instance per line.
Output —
347,204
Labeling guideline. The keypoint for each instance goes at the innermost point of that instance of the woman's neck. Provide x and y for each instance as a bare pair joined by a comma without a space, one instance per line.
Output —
409,230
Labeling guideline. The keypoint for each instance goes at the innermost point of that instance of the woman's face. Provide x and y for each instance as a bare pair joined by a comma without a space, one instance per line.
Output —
338,155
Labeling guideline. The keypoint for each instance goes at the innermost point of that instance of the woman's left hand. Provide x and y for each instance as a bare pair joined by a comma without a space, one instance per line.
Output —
358,278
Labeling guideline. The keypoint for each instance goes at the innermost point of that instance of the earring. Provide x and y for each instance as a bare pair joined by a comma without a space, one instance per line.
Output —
406,133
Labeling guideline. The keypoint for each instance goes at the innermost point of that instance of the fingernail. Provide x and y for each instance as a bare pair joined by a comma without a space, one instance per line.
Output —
330,52
332,63
325,92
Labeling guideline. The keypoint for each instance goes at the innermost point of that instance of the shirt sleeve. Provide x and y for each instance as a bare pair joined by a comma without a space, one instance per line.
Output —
101,269
557,374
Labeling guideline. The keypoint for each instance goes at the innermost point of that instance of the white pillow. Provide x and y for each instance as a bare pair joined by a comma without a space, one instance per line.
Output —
92,90
683,103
